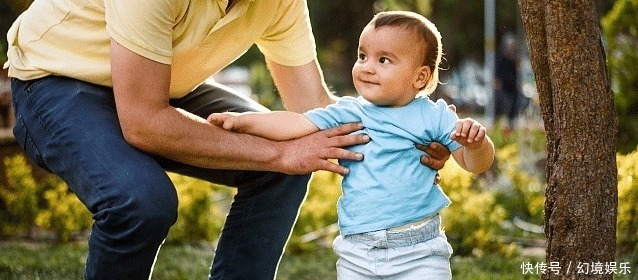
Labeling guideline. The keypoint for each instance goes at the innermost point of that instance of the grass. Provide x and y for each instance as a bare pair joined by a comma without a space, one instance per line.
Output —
20,260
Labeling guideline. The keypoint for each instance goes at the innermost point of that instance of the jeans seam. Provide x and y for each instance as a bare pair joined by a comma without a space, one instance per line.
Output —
29,143
33,111
30,85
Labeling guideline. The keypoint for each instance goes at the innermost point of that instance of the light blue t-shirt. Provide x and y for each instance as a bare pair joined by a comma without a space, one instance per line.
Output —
390,187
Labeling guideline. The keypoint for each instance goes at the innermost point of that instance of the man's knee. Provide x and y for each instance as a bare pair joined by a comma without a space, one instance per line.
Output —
143,209
154,215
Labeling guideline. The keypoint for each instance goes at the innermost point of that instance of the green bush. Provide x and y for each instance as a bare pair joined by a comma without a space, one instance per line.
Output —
201,211
317,214
19,197
474,219
64,214
524,196
484,207
627,227
47,204
51,206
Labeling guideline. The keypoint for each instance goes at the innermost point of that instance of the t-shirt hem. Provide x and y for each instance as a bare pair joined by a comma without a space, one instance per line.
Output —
298,61
374,227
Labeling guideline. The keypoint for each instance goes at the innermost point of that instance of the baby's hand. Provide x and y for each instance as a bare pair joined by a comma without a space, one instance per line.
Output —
227,121
469,133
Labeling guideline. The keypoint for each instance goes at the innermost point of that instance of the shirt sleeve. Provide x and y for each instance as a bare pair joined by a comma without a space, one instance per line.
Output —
346,110
144,27
447,124
289,40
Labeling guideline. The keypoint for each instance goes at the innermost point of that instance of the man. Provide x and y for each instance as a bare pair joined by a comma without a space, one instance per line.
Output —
506,90
110,94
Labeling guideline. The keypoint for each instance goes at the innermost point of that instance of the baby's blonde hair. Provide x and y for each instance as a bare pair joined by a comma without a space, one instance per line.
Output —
426,30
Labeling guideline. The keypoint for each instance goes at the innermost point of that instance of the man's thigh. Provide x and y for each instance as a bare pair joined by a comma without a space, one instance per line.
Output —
71,128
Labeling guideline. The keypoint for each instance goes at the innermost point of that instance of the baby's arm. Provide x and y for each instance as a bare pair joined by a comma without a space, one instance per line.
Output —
277,125
477,153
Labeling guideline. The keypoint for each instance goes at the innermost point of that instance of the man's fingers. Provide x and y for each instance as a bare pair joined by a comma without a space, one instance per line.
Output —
349,140
436,150
437,155
342,129
340,136
333,167
338,153
433,163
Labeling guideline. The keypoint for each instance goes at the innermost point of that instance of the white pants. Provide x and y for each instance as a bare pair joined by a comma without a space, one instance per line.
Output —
420,252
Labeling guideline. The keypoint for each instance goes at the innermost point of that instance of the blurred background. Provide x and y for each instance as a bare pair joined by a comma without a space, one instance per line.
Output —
495,221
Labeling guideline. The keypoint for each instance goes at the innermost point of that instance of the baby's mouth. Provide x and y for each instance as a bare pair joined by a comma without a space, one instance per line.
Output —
369,82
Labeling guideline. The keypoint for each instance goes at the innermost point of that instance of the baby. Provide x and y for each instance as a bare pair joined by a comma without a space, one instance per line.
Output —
388,213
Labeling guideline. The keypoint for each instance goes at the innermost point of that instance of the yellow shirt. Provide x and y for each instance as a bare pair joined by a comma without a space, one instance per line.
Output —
196,37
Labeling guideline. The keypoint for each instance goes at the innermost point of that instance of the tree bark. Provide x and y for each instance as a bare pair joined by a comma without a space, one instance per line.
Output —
568,59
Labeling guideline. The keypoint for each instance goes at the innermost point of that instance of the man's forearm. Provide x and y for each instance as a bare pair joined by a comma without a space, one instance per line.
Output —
200,143
301,88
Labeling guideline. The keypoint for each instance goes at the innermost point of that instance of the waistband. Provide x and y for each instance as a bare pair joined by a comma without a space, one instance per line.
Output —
414,224
402,236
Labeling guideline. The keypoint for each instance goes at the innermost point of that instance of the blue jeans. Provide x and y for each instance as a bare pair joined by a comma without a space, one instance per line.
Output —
71,128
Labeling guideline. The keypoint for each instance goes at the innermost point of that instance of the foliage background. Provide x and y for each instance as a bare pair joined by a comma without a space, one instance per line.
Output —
621,35
487,210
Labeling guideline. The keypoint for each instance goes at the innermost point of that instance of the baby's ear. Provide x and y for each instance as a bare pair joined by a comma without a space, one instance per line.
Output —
423,76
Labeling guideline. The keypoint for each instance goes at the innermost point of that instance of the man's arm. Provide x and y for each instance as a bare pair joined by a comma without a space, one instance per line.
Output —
301,88
149,123
277,125
437,154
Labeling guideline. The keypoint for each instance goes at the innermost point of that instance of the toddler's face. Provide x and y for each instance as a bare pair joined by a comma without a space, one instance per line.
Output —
388,71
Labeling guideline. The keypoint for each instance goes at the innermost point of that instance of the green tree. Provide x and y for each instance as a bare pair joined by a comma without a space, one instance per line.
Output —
621,34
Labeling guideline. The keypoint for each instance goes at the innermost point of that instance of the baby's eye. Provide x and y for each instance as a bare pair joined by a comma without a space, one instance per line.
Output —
384,60
362,56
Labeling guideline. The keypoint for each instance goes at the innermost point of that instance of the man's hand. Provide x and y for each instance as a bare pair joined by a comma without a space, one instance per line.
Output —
312,152
437,155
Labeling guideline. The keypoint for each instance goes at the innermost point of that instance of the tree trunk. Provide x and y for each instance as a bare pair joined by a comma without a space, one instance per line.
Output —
568,60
